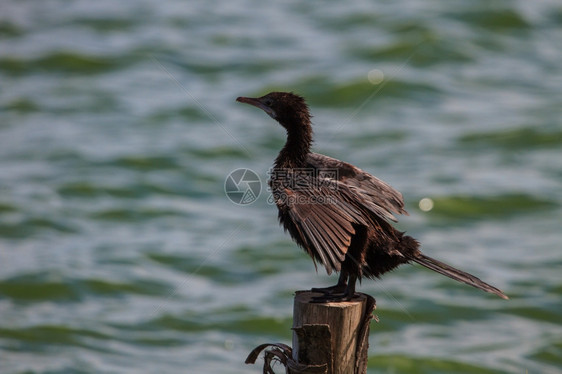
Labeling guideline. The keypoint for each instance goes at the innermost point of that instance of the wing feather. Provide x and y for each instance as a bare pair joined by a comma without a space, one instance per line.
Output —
377,196
324,229
325,248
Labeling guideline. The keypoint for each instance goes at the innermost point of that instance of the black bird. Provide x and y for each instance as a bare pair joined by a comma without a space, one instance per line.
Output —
338,213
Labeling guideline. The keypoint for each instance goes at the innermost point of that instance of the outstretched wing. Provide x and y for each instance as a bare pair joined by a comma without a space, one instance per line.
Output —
377,196
321,218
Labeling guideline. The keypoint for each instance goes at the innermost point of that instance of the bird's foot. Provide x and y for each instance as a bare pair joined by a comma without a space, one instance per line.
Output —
343,291
334,297
338,288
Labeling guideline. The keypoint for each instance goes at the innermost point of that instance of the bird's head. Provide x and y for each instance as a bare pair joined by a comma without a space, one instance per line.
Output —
287,108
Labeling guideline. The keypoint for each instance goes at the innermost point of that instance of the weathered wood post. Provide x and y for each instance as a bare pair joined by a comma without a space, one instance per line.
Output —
330,338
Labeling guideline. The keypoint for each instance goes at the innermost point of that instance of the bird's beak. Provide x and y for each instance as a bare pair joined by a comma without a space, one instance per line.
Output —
258,104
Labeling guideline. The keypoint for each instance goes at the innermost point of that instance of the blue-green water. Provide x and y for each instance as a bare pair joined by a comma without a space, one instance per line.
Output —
120,253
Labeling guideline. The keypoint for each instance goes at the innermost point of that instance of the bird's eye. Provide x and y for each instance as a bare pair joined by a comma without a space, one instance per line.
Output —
268,102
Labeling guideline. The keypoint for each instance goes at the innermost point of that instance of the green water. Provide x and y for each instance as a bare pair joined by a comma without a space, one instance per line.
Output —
121,253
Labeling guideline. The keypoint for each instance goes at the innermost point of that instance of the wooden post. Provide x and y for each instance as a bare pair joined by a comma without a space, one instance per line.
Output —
330,338
334,335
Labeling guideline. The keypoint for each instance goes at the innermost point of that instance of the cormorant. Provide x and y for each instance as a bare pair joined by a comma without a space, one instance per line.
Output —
338,213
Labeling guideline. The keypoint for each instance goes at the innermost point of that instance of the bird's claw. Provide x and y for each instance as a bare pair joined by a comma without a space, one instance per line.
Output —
332,298
330,290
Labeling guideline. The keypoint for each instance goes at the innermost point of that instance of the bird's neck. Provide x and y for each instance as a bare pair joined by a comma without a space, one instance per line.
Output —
296,149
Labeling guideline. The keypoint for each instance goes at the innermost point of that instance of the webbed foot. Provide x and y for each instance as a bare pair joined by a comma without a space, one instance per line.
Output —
338,288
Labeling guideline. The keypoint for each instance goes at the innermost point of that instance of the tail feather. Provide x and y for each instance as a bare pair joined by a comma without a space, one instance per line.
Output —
456,274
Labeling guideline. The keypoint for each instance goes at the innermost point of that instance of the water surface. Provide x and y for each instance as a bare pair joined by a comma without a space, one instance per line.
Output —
120,253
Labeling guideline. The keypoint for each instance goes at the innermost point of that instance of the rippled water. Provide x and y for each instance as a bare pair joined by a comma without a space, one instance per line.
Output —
120,253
